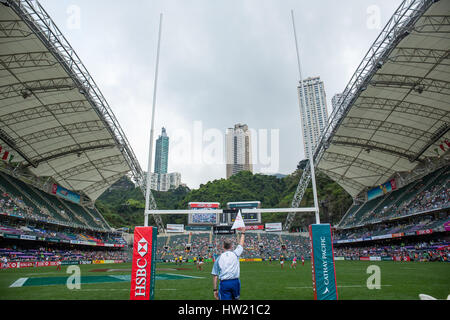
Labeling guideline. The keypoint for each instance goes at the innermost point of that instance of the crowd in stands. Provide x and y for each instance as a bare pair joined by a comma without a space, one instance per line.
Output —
264,245
17,253
36,251
429,193
45,207
12,205
257,245
410,224
435,198
297,246
433,250
406,211
271,245
54,228
42,230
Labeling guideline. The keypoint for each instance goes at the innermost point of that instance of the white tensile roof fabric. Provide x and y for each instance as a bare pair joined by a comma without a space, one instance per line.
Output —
402,118
53,128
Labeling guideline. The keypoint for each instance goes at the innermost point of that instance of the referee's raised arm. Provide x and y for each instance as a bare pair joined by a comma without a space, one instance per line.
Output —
241,242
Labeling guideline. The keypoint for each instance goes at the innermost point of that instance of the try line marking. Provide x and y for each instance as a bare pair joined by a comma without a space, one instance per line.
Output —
107,289
18,283
184,275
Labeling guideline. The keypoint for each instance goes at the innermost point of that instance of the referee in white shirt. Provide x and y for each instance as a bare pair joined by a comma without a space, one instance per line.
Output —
226,269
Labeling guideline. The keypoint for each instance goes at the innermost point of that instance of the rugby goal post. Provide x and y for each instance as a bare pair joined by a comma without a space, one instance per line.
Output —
322,255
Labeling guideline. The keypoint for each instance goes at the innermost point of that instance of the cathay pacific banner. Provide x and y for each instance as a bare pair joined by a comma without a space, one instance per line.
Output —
322,258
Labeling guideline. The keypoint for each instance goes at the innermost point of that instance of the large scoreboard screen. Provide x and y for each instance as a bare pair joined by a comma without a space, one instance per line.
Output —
248,217
253,217
203,218
223,230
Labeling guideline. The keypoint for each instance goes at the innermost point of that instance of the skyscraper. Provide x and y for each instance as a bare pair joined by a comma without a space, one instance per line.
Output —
160,179
238,149
315,119
162,152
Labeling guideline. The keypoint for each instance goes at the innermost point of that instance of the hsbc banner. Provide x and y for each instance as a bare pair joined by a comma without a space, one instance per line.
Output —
322,262
143,268
14,265
426,231
364,258
255,227
401,258
46,264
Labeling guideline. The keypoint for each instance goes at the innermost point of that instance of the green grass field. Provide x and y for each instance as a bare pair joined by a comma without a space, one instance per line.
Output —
259,281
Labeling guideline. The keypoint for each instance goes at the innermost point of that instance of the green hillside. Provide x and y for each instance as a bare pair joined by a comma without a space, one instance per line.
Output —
123,204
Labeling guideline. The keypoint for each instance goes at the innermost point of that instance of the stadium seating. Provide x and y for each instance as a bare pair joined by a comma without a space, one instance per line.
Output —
434,188
365,208
257,245
199,244
296,245
25,227
79,211
41,202
36,253
415,251
22,200
97,217
350,213
39,205
407,225
29,213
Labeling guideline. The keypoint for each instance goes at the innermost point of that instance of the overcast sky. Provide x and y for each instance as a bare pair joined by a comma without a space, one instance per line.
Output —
222,62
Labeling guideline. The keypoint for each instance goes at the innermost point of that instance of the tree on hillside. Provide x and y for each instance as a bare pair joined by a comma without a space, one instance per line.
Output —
125,204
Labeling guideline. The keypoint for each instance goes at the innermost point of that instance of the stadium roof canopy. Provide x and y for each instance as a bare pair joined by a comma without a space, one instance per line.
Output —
53,117
394,114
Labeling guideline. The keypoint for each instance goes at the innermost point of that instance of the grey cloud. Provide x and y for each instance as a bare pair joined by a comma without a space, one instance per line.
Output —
222,62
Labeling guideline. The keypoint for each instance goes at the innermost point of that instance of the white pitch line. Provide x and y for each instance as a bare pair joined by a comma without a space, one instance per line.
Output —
183,275
40,273
350,286
18,283
104,289
118,289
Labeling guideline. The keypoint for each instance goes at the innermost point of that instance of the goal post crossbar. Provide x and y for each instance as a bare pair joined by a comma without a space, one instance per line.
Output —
265,210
